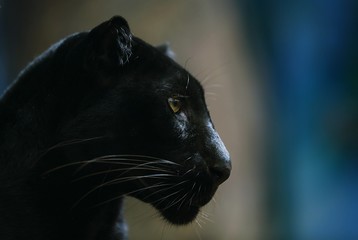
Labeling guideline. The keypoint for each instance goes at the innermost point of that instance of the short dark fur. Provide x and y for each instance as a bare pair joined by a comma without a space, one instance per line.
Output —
88,122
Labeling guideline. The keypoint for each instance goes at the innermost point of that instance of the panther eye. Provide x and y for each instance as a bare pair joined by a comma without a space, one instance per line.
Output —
175,104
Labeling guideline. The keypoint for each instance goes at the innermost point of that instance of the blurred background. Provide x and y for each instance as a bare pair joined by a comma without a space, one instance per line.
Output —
282,86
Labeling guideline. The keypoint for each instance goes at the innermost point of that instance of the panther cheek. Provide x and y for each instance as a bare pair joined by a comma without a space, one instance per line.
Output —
181,126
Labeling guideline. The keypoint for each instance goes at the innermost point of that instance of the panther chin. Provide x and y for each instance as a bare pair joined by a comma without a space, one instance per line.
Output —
180,216
182,213
177,212
180,203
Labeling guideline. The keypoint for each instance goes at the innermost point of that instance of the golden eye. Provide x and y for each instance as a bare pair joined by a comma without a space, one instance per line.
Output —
175,104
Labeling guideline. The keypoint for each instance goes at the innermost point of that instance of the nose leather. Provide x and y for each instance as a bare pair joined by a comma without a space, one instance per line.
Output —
221,171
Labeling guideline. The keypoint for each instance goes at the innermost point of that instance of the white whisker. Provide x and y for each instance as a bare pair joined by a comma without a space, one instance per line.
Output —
182,200
162,199
197,222
68,143
204,216
119,170
120,196
166,189
120,180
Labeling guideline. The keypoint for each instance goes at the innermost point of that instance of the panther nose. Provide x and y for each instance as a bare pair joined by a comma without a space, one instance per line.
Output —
220,171
218,158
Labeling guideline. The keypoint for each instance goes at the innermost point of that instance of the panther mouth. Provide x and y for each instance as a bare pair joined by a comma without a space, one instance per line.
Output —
183,213
182,204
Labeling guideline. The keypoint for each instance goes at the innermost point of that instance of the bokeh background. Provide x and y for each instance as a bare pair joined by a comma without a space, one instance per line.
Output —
282,85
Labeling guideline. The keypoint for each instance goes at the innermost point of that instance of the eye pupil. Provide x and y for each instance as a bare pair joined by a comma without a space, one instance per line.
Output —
175,104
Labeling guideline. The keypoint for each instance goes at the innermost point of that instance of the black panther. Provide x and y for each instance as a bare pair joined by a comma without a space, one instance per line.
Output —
99,116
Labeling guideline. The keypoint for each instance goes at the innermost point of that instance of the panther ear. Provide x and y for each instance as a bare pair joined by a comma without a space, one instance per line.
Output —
166,50
110,43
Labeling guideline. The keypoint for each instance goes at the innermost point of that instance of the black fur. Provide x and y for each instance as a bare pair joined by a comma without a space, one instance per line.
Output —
90,121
